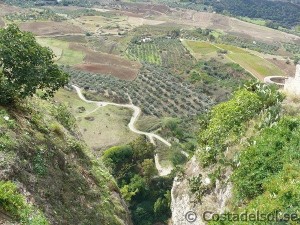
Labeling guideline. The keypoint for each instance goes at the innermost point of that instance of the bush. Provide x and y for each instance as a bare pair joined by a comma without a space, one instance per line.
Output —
63,115
15,204
274,148
226,118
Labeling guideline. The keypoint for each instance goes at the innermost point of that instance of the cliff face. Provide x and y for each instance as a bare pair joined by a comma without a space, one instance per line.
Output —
43,155
186,207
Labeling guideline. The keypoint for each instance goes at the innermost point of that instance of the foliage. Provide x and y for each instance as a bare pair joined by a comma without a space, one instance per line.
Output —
266,179
143,214
45,14
26,67
228,116
226,120
120,160
133,167
283,13
148,169
161,206
63,115
39,164
178,158
15,204
268,154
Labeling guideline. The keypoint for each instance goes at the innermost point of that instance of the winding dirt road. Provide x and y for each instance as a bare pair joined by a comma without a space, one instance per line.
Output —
163,171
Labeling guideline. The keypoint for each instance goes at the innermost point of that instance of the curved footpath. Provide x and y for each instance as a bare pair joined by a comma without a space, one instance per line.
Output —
163,171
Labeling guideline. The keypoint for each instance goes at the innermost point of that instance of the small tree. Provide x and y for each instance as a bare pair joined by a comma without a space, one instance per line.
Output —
26,67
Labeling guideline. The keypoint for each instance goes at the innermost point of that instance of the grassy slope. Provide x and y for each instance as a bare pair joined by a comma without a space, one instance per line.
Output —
109,127
258,66
64,55
63,179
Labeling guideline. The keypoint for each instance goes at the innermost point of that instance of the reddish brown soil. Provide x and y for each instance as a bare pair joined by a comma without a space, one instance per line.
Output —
121,72
107,63
103,58
50,28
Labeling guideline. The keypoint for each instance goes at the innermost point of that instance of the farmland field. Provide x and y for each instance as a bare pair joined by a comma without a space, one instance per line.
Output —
156,91
9,9
163,51
87,60
229,25
112,24
256,65
64,54
146,52
200,47
50,28
104,63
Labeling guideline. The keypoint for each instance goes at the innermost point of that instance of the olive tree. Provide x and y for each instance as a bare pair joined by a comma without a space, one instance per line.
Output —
26,67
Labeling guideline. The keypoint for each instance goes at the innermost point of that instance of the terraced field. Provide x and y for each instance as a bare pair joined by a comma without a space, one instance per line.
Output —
257,66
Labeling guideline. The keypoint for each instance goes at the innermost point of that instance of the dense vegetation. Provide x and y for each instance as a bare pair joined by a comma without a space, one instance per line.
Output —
264,168
280,13
158,92
26,67
15,204
48,160
226,121
133,167
267,178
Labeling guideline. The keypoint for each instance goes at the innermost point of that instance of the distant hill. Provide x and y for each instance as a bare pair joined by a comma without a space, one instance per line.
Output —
281,13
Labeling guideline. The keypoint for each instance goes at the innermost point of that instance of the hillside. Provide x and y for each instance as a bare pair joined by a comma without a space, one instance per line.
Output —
246,162
285,14
53,170
153,112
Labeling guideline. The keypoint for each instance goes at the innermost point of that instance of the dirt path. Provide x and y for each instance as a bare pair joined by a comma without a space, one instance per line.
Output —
163,171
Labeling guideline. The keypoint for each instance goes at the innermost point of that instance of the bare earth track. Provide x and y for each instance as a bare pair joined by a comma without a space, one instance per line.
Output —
136,113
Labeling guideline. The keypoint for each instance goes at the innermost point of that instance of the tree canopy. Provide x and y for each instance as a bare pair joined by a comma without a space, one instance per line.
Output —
26,67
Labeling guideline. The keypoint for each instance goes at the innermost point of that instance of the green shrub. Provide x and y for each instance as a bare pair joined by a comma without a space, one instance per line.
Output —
273,149
63,115
39,163
15,204
227,117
